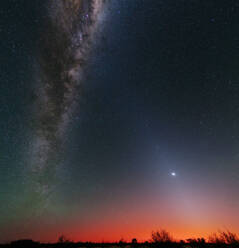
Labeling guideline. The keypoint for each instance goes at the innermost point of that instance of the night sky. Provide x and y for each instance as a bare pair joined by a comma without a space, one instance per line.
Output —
118,118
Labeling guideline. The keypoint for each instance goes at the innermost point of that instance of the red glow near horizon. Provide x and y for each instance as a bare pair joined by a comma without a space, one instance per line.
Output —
106,230
185,216
109,235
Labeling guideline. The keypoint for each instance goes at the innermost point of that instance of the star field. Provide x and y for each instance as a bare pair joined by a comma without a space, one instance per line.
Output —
118,117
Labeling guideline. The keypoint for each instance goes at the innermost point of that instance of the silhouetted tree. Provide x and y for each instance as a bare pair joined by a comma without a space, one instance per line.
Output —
182,242
161,236
223,237
63,239
199,242
122,242
134,241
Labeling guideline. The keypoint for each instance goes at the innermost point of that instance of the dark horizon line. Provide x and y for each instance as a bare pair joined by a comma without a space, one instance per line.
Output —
160,236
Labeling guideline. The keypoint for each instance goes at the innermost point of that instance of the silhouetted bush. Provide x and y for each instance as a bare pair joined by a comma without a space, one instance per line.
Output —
161,236
63,239
122,242
224,237
134,241
199,242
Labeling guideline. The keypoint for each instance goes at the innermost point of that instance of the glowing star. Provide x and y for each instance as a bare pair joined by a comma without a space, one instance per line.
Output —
173,174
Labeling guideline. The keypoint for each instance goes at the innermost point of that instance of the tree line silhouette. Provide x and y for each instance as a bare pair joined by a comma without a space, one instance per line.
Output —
159,239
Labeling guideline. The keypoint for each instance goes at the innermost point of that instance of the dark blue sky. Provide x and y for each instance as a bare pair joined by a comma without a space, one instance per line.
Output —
160,95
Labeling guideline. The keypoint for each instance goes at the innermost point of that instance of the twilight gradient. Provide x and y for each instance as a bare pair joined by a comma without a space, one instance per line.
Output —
119,117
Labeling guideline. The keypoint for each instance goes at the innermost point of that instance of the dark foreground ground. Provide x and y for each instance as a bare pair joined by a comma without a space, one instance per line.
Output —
182,244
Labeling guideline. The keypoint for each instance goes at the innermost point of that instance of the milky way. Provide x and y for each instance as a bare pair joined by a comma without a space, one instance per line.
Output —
63,52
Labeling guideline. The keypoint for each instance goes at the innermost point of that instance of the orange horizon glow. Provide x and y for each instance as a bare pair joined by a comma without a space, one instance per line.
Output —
182,215
105,234
111,225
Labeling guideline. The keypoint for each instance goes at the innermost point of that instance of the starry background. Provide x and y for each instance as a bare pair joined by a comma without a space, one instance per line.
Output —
160,96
